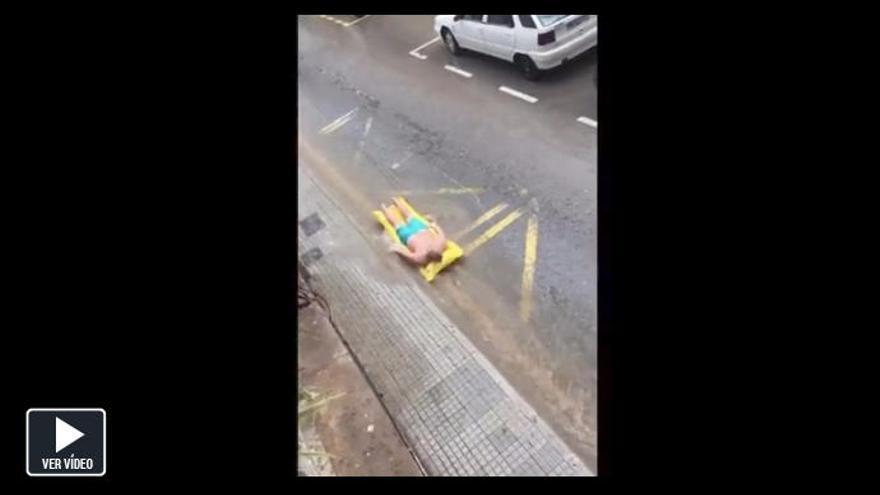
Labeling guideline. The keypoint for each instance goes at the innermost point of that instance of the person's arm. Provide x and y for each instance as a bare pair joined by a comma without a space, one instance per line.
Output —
441,236
409,256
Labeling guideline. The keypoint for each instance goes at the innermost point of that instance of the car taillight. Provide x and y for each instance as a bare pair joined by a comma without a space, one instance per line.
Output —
546,38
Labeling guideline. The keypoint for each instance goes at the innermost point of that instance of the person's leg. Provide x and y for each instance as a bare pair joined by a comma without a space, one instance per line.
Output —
404,208
393,215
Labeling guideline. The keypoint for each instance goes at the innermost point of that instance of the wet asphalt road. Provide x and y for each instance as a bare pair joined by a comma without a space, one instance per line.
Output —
416,127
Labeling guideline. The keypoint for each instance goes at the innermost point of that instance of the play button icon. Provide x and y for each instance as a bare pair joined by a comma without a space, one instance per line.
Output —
65,434
66,442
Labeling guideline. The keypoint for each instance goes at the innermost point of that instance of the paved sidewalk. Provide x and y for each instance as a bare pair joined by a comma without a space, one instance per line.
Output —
455,410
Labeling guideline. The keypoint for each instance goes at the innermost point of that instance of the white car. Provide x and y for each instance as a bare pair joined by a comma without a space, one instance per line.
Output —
533,42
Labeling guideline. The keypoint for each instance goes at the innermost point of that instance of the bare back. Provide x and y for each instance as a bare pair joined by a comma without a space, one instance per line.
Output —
426,243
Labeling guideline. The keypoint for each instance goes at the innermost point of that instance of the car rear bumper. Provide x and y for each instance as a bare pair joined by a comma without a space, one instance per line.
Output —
564,53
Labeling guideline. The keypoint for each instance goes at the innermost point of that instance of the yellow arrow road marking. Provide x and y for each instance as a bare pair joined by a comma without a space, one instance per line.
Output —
485,217
492,231
528,278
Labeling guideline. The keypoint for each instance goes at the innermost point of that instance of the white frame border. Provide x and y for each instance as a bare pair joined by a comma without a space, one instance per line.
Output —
27,441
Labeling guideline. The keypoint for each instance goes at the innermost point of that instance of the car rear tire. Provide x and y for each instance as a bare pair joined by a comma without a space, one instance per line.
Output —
450,42
528,68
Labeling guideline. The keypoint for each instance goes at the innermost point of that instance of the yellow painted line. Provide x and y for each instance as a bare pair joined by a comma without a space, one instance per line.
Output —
485,217
341,22
492,231
529,259
336,124
352,23
446,190
460,190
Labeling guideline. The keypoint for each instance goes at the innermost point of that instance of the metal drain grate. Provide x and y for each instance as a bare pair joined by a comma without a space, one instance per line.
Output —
311,224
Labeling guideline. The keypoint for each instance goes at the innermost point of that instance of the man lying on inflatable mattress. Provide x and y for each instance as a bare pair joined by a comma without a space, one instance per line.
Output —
422,245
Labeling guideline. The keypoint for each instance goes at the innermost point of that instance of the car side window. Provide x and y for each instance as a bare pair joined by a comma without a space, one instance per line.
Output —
500,20
475,18
527,22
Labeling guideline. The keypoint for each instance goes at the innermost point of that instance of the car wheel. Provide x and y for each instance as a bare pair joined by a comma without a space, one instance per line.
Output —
528,68
450,42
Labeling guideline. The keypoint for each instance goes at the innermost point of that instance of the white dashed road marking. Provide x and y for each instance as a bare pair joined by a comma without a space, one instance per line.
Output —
520,95
589,122
406,157
458,71
367,127
415,51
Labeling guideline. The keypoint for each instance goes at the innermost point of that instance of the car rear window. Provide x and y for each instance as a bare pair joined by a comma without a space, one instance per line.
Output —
527,21
546,20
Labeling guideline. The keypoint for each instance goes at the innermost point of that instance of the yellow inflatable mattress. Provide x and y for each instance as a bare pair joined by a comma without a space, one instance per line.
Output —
452,252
